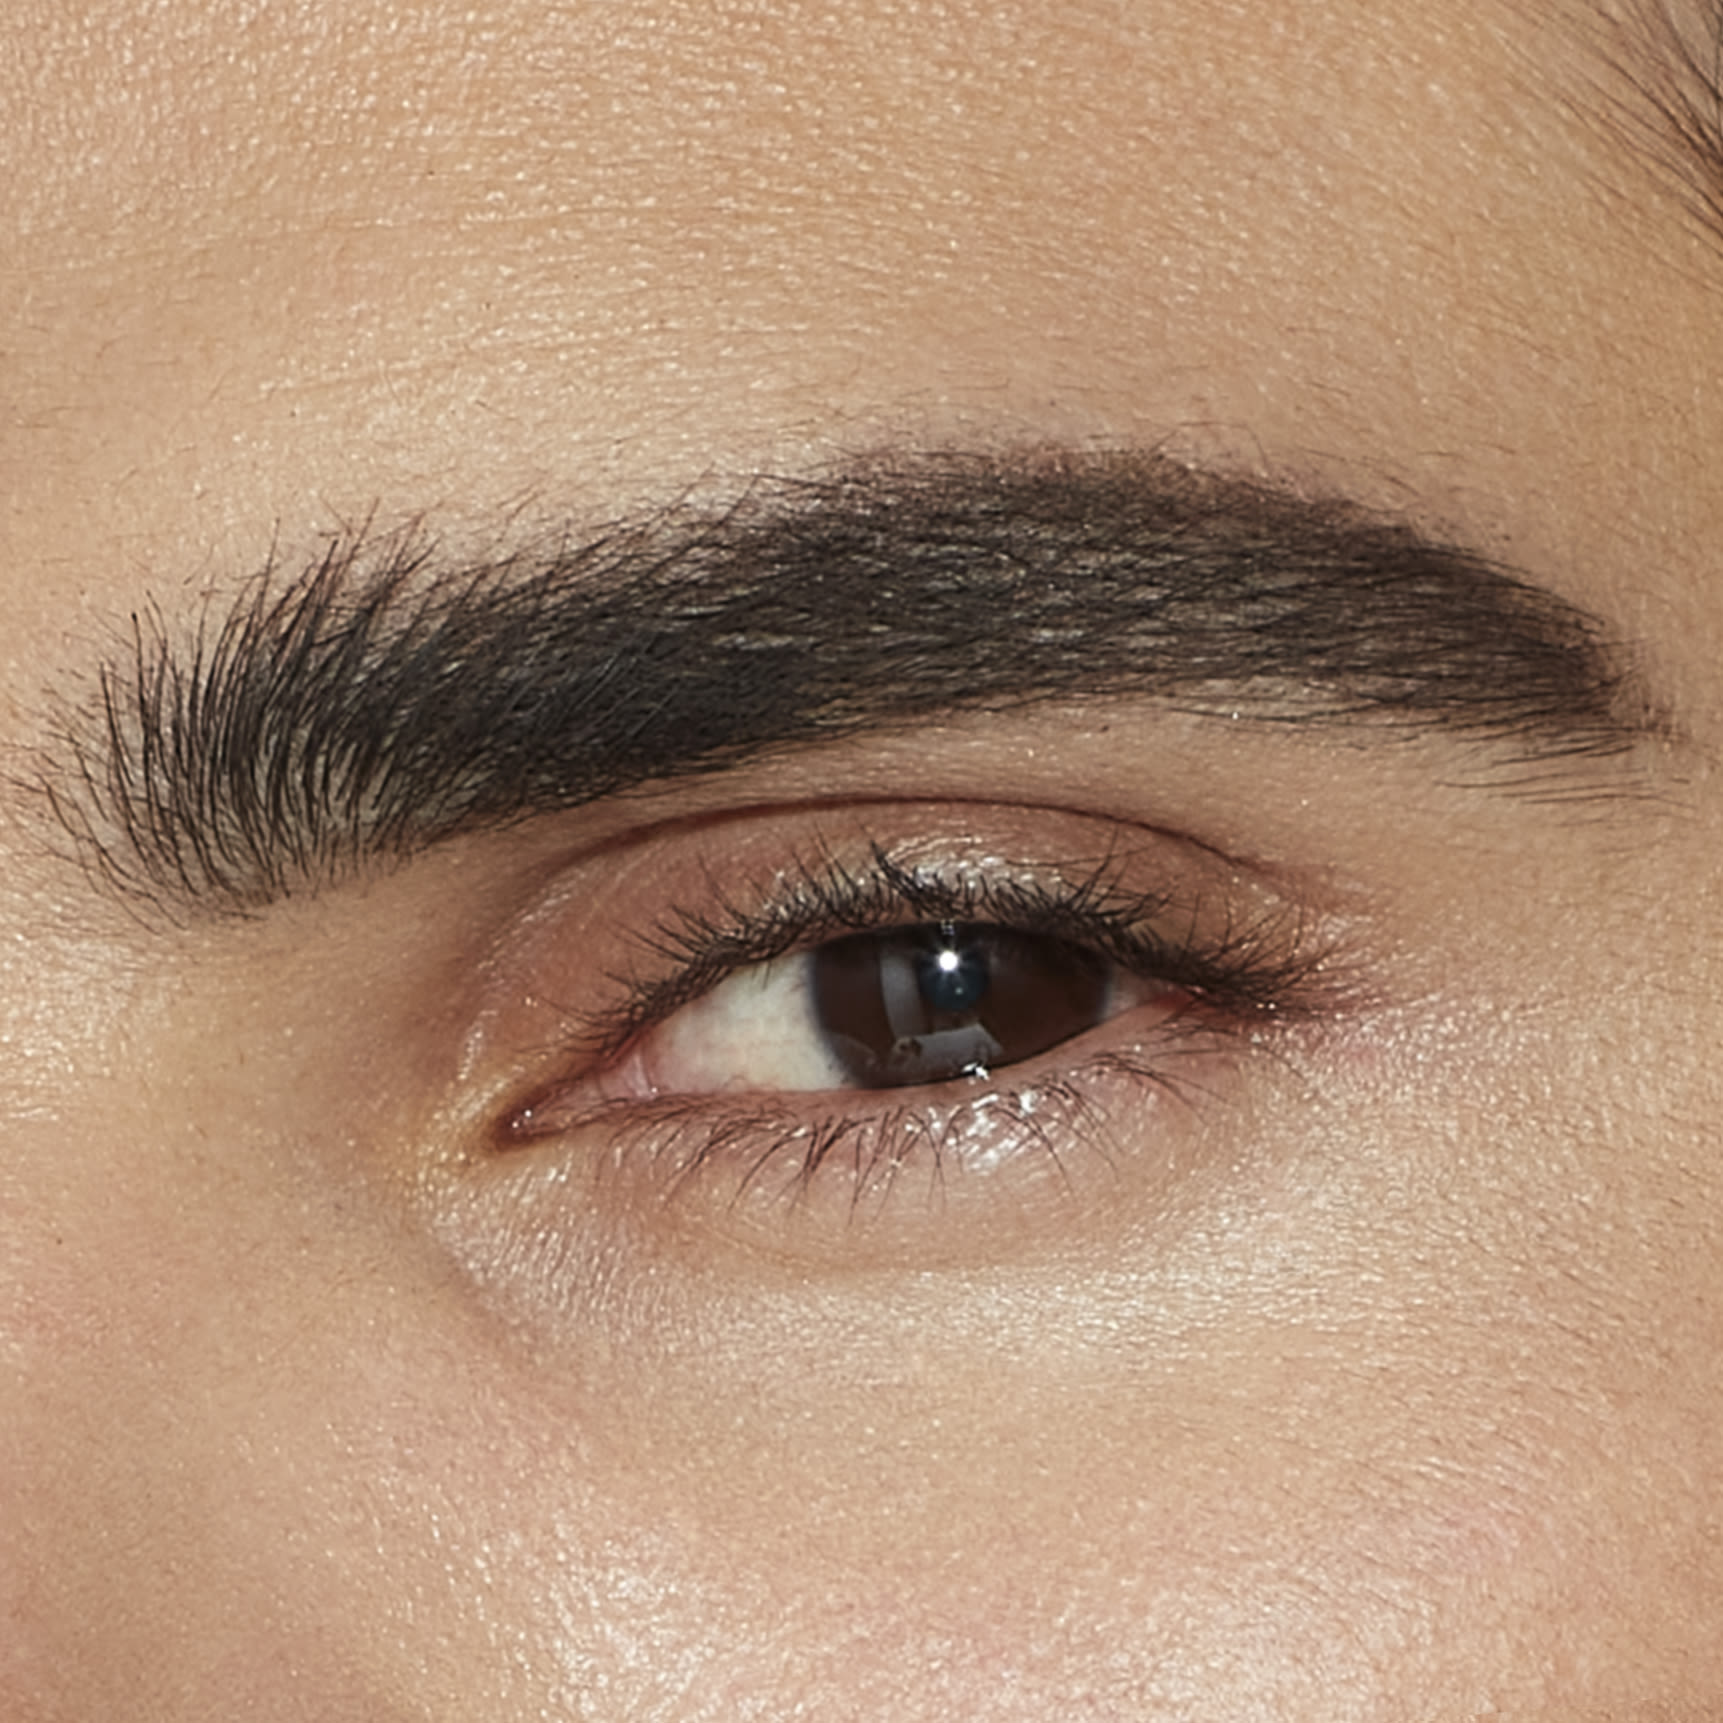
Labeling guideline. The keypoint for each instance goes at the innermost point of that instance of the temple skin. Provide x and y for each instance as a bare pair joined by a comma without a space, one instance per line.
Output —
1360,1361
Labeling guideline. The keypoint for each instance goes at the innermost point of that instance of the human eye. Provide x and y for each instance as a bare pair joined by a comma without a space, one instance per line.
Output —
903,1006
815,1032
900,975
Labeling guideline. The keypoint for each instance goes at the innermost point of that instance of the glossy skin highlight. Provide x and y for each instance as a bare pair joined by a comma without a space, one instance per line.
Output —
1371,1375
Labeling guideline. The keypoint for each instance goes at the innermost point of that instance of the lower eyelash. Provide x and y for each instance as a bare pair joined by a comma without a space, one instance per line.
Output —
757,1153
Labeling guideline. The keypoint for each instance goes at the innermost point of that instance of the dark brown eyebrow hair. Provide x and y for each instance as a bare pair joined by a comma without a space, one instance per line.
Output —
381,701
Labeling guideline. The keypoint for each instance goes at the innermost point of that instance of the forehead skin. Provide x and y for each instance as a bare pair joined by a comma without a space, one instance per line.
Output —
270,271
278,266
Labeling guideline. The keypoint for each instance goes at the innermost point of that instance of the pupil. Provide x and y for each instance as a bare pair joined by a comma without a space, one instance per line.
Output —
952,977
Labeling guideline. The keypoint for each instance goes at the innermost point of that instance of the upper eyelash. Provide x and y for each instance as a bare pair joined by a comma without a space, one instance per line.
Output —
1253,968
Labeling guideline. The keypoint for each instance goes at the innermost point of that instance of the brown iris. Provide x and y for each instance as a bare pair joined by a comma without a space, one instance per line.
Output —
923,1004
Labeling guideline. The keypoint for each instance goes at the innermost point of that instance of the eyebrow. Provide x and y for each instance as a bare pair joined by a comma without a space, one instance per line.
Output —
381,701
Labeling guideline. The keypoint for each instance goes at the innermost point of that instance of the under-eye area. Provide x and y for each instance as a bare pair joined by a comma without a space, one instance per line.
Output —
916,1176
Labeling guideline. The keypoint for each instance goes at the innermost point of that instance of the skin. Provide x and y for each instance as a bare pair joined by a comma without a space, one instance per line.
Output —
1375,1380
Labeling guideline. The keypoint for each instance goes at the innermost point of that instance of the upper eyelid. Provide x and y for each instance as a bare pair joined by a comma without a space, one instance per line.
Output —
706,950
1249,967
572,975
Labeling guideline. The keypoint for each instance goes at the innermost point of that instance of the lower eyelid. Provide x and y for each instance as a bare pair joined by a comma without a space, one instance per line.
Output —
959,1172
1155,1045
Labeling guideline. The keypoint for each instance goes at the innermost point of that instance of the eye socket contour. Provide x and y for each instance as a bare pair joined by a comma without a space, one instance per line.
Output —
697,1024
